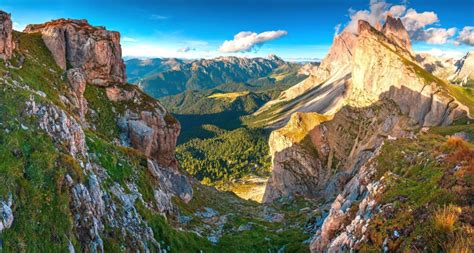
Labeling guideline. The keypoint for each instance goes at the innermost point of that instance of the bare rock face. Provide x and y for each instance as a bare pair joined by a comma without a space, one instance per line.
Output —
341,229
60,126
394,29
76,44
6,39
314,154
385,71
465,69
153,133
146,126
77,83
6,213
293,148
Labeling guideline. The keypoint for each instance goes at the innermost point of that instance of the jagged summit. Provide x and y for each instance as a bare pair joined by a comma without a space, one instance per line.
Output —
465,69
393,28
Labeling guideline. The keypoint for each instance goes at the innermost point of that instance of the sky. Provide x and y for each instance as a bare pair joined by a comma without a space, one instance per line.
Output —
292,29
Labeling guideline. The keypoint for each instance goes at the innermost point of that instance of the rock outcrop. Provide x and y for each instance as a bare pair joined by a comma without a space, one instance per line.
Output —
6,36
381,71
6,214
62,128
76,44
146,126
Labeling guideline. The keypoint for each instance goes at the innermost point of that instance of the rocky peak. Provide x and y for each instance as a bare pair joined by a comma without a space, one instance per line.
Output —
6,42
77,44
363,26
465,68
394,30
278,60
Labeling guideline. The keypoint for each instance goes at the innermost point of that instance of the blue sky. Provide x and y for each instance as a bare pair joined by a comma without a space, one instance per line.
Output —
296,29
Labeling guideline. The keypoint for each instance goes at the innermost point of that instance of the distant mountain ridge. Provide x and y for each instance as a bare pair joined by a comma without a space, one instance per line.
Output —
165,77
140,68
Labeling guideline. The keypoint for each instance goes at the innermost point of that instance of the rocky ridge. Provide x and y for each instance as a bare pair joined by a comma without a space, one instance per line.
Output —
205,74
459,71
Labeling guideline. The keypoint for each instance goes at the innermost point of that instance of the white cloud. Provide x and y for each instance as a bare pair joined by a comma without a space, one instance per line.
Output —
397,10
337,29
18,27
376,14
455,54
248,41
129,39
434,35
466,36
158,17
414,21
185,49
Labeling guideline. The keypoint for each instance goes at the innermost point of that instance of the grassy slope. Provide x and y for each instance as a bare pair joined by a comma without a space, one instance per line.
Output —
31,167
421,182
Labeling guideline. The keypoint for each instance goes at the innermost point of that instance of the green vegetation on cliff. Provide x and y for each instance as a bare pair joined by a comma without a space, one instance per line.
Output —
228,156
428,198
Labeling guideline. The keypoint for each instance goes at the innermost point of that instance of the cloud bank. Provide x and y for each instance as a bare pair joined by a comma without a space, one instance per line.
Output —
249,41
466,36
416,23
185,49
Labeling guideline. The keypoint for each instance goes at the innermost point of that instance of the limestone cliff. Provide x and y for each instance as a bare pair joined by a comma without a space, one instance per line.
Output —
76,44
6,37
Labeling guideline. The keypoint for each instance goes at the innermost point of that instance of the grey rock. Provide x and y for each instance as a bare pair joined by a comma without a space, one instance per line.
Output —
6,36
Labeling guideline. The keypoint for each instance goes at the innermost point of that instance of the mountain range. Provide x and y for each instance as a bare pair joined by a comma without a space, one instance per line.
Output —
165,77
371,150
